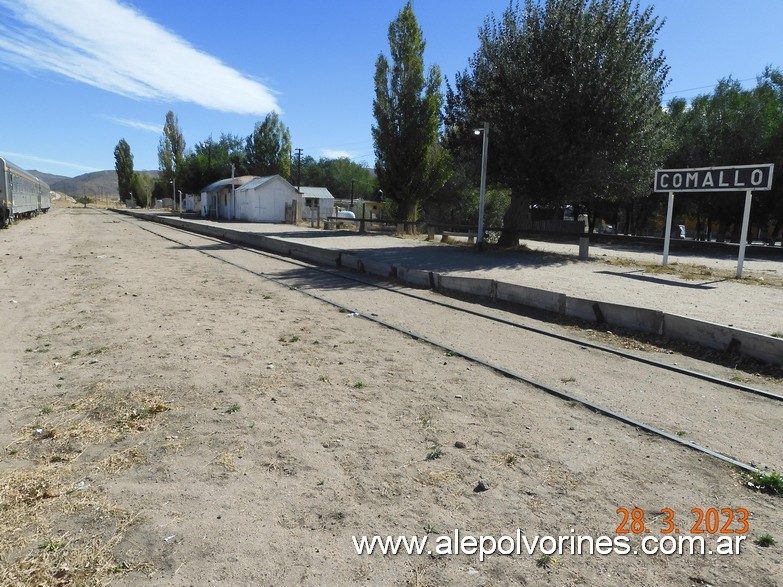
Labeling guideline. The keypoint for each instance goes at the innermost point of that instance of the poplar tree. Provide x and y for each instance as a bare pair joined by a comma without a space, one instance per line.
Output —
171,148
268,148
123,164
407,108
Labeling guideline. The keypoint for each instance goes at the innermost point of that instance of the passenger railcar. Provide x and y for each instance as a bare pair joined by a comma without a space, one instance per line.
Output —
21,194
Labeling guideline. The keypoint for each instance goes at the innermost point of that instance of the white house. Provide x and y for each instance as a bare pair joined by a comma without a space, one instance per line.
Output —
315,200
217,199
252,199
268,199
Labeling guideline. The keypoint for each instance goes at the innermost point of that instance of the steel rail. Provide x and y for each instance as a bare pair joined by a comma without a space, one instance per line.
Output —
497,368
562,337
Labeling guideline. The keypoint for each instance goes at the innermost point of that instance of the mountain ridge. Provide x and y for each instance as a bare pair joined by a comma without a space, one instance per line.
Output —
95,184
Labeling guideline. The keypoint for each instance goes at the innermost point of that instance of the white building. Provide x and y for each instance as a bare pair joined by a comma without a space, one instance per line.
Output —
252,199
317,200
217,199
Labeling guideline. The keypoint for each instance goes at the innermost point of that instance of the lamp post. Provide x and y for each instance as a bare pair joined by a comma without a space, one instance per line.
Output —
483,188
173,183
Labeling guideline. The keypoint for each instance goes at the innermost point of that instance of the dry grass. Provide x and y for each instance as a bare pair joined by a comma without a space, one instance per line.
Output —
226,460
695,272
55,529
507,459
439,478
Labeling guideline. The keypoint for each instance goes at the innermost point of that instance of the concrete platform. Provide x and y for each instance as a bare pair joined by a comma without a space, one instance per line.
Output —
717,313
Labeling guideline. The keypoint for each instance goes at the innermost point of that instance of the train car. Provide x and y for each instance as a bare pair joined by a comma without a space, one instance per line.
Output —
21,194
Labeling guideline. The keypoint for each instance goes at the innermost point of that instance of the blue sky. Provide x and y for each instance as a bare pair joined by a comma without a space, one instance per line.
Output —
79,75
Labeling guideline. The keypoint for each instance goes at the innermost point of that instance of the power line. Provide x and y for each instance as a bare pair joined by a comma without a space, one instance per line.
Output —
704,87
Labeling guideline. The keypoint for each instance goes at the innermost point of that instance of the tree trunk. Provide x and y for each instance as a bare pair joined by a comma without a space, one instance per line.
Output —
517,218
411,209
590,218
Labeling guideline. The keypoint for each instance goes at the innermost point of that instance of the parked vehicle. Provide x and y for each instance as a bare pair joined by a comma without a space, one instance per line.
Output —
21,195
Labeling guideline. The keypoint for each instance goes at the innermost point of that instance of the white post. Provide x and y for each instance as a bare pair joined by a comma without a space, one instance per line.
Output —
744,233
668,230
483,188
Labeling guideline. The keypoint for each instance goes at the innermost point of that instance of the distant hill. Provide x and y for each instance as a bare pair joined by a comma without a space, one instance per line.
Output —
97,183
47,177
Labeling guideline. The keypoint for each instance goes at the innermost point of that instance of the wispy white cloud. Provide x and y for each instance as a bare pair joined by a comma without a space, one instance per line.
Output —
114,47
336,154
25,160
138,124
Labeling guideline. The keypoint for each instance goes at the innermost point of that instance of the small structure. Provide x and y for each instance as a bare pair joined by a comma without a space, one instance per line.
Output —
252,199
315,201
193,203
268,199
217,199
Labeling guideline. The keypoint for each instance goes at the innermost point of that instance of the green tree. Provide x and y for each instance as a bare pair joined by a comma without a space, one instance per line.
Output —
211,160
171,148
571,90
141,188
730,126
339,176
268,148
123,164
407,113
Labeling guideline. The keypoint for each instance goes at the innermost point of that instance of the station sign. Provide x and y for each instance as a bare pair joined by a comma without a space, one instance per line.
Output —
738,178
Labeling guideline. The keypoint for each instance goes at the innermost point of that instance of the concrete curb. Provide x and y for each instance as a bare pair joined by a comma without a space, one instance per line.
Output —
708,334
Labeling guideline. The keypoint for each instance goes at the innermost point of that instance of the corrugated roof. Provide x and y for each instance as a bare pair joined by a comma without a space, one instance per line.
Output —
226,183
257,181
316,193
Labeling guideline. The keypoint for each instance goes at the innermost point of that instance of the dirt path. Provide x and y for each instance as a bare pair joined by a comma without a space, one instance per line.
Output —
171,420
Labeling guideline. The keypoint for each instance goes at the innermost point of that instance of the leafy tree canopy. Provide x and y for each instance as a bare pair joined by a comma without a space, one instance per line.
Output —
407,112
171,149
571,90
211,160
123,164
268,148
730,126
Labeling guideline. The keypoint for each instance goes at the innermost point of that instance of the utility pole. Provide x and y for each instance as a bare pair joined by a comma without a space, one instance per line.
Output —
299,169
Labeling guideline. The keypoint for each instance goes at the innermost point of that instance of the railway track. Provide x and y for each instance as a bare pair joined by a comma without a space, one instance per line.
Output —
724,418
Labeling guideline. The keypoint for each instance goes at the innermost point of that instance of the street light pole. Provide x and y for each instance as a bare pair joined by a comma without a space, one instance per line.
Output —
173,192
483,188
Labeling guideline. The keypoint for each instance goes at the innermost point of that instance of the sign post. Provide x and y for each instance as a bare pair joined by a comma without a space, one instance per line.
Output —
668,230
738,178
743,239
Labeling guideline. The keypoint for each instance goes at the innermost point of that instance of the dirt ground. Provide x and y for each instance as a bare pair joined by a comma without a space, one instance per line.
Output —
171,420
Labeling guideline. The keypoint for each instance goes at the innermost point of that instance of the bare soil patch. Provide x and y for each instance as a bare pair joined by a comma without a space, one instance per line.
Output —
171,420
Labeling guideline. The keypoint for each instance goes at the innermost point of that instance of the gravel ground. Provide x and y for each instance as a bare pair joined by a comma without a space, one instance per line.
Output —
169,419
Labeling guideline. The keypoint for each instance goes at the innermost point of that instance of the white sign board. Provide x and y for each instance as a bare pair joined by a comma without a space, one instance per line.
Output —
738,178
